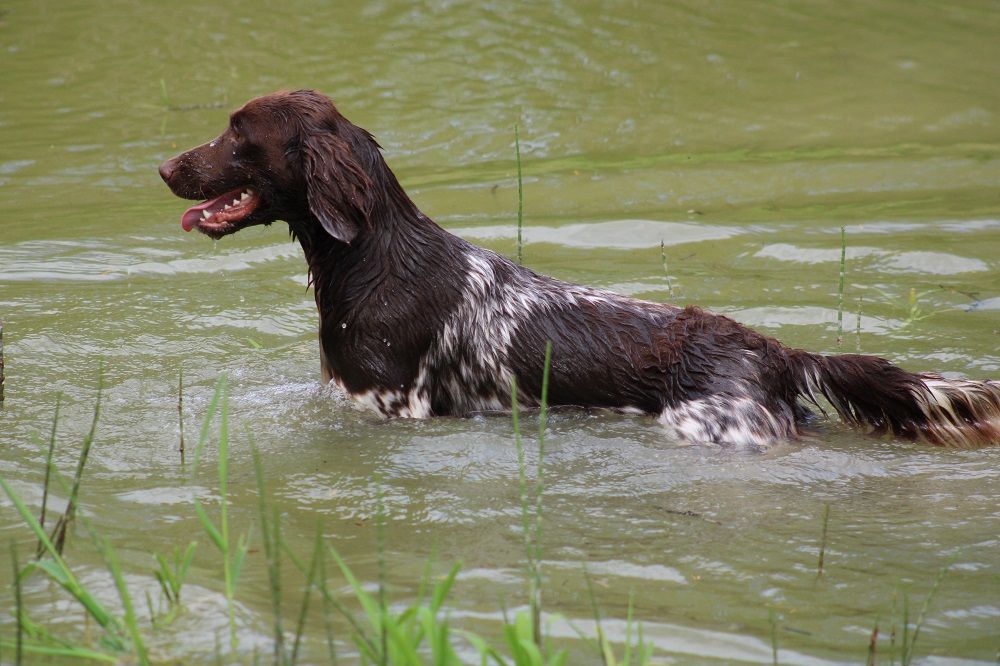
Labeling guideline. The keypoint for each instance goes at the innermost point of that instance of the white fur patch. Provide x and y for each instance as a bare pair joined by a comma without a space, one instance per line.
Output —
733,420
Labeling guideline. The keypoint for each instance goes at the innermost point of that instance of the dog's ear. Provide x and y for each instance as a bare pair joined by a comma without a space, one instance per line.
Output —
337,188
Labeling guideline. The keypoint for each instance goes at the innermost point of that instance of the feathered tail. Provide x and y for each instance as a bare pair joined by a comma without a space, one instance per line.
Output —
874,395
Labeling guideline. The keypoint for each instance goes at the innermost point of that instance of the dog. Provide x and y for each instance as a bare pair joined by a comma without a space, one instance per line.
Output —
416,322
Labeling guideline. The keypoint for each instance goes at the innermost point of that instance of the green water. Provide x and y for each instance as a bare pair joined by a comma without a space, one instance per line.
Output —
741,134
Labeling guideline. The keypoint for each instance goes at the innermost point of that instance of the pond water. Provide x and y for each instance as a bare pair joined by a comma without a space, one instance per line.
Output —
742,135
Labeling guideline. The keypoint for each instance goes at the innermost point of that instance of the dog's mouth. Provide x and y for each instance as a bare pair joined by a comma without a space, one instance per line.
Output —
223,214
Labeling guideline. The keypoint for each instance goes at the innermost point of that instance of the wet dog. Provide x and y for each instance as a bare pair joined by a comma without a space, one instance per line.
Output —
416,322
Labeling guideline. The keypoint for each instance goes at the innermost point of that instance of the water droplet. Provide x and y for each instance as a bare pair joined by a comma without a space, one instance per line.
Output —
344,325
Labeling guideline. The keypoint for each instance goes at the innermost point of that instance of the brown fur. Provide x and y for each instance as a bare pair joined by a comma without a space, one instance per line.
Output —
417,322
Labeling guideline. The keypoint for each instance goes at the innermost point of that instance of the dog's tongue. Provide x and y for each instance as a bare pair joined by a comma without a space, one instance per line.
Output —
191,217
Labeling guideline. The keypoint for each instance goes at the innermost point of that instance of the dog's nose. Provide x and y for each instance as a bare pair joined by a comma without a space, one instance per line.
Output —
167,170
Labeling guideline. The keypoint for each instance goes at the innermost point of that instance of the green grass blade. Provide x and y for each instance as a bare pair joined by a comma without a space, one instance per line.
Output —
62,527
923,611
18,611
840,288
239,557
209,526
905,658
368,603
310,583
485,650
822,542
183,565
543,416
526,525
360,636
130,619
520,197
627,657
405,650
443,588
56,567
166,578
270,537
206,424
48,466
67,652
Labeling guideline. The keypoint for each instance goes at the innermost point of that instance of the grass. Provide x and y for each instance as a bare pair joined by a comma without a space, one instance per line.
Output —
60,530
180,412
48,471
233,556
531,512
666,273
18,613
171,574
416,632
58,571
910,645
2,376
772,619
872,646
912,307
822,541
840,288
520,197
270,531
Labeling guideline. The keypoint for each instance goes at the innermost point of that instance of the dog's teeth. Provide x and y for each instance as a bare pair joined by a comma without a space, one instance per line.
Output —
235,201
205,215
244,196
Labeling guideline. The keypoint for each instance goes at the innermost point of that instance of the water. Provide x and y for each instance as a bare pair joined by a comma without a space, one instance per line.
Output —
741,134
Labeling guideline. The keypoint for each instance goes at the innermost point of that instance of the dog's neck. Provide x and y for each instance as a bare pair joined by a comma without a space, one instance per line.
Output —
401,269
393,245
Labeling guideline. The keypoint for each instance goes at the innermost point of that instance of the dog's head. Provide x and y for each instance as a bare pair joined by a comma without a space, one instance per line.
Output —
286,156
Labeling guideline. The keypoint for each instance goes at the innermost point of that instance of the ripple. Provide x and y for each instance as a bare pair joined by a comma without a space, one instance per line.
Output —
106,260
616,234
938,263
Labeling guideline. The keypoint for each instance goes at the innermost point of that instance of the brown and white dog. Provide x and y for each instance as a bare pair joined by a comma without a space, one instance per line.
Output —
416,322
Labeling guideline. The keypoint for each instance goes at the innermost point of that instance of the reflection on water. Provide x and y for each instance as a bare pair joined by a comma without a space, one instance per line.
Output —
740,135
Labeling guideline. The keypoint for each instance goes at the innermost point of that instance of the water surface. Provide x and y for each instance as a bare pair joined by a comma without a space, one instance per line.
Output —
741,135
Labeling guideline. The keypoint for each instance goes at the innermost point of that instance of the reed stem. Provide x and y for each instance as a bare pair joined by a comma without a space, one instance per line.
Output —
840,289
19,650
520,197
666,273
60,530
822,542
180,410
40,549
1,362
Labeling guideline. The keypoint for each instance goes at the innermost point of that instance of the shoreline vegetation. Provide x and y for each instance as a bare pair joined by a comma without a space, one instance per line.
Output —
420,633
412,632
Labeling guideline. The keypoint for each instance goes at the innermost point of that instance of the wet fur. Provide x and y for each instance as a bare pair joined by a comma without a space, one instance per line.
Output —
416,322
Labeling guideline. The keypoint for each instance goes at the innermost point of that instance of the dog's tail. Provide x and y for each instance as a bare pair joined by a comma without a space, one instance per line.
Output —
874,395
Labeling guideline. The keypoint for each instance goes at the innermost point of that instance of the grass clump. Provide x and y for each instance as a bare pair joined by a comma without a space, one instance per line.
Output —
171,574
420,632
233,555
